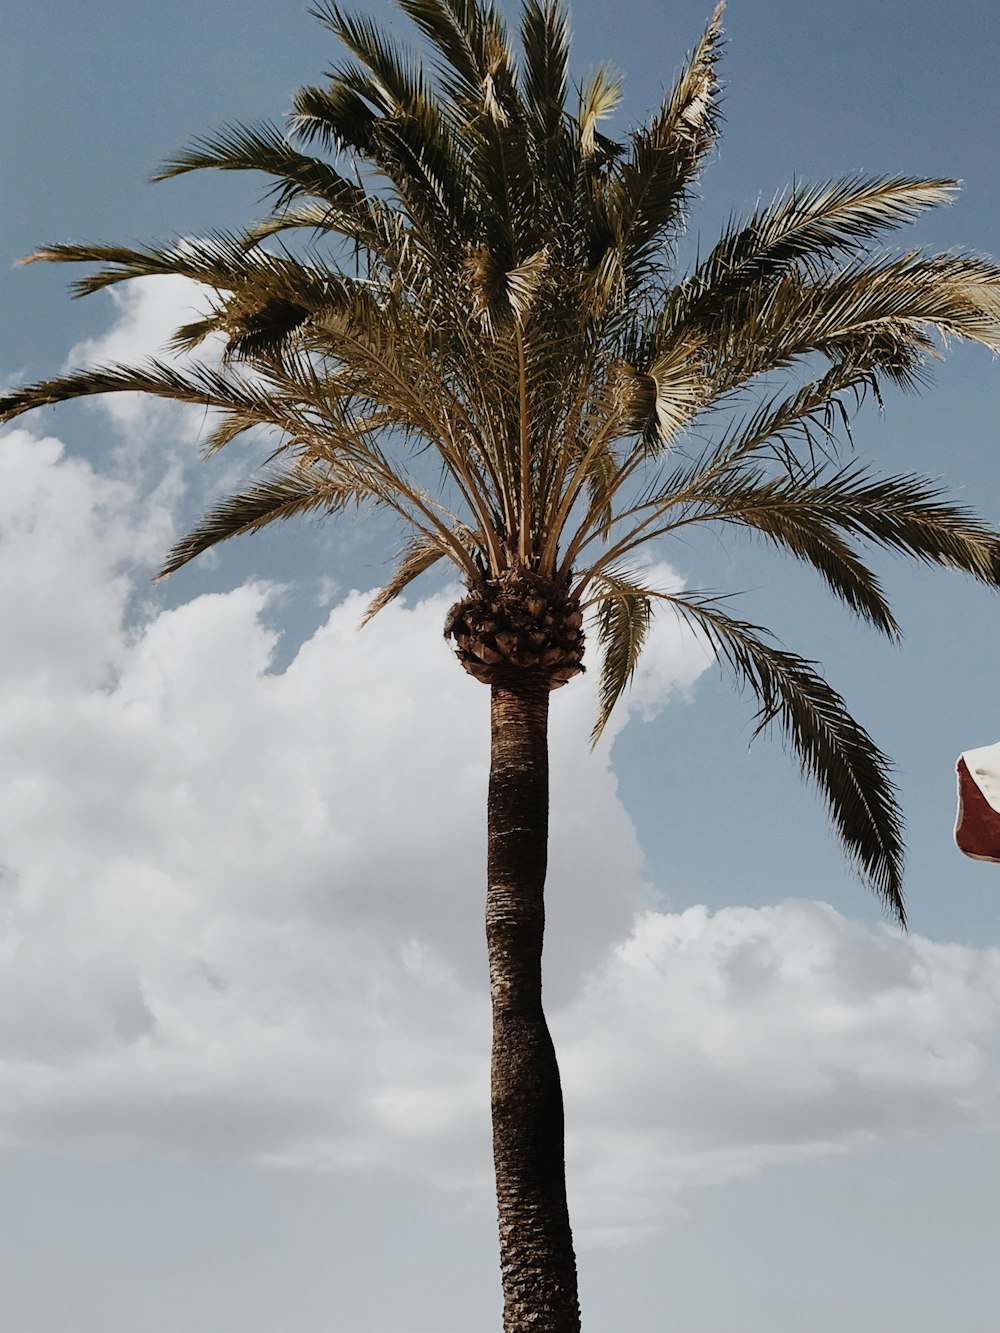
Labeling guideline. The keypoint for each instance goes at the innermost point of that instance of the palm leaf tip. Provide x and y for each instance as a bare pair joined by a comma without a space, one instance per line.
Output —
714,30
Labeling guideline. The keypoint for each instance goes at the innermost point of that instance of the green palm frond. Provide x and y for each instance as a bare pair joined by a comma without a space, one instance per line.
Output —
448,28
816,516
811,421
956,293
411,140
624,609
883,310
267,297
337,117
415,153
907,514
476,59
835,751
903,513
321,218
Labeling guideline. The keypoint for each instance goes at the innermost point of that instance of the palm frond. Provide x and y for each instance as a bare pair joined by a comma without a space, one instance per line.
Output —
653,183
280,298
420,554
411,141
623,619
262,298
337,116
794,517
882,310
908,514
523,283
279,496
379,235
834,751
217,261
816,515
814,223
198,385
441,22
809,421
262,148
476,57
545,76
396,79
670,394
228,427
188,337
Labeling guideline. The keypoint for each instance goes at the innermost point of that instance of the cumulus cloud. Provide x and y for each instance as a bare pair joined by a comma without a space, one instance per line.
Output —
66,534
711,1046
242,908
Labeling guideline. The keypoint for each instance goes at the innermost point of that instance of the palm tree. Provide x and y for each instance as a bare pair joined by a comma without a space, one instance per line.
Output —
478,328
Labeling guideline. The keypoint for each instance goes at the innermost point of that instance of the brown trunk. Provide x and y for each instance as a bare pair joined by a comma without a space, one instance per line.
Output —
536,1246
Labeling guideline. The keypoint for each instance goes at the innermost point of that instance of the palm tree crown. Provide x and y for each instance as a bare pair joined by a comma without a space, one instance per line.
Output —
459,267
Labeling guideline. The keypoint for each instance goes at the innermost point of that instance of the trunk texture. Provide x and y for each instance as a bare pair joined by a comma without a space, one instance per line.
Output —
536,1246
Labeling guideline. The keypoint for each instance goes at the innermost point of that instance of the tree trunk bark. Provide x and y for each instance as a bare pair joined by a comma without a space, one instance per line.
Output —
536,1246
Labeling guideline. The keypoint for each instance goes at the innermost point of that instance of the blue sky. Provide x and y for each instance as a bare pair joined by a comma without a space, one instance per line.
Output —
242,1043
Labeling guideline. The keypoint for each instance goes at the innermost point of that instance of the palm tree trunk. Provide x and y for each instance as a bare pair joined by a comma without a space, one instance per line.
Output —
536,1246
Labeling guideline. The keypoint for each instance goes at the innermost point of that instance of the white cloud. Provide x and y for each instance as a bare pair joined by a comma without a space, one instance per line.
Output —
65,533
708,1047
240,908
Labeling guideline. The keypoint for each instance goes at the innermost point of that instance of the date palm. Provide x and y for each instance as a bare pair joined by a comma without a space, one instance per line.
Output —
462,308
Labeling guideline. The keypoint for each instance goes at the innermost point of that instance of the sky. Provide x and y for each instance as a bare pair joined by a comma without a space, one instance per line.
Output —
243,1006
